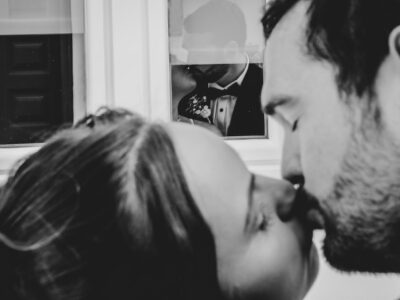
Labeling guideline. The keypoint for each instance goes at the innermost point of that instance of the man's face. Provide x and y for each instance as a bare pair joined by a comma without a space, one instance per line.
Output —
334,144
209,73
205,57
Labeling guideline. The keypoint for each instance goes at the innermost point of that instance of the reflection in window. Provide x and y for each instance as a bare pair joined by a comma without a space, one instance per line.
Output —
41,42
216,53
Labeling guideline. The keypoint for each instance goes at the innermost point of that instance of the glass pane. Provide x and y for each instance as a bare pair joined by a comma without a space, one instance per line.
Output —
216,51
40,43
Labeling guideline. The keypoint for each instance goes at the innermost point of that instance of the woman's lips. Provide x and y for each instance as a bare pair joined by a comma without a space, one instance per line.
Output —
307,207
315,218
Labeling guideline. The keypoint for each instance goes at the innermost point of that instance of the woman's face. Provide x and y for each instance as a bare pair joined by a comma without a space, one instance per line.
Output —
258,255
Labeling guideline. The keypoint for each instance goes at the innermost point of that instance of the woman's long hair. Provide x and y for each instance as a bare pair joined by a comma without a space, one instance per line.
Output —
104,213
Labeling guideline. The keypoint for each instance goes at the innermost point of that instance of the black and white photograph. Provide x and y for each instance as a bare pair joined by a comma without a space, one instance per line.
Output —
199,150
216,65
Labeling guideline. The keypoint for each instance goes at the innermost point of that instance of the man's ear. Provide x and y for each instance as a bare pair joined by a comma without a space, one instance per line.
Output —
394,45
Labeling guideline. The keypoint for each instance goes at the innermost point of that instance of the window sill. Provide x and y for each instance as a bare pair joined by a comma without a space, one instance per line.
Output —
261,156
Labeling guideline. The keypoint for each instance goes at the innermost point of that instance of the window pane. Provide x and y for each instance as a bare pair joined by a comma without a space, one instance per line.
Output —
37,59
216,51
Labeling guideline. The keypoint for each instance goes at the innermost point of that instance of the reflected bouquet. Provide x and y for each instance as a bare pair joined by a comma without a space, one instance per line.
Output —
196,106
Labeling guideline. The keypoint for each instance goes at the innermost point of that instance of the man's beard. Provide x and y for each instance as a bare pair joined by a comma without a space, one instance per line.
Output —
362,213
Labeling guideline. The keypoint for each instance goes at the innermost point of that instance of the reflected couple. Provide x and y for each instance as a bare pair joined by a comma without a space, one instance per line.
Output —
121,208
225,88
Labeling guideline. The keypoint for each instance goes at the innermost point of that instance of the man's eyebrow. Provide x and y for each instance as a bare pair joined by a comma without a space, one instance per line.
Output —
273,103
250,203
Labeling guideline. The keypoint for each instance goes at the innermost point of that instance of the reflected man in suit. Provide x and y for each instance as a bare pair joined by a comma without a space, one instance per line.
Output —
228,85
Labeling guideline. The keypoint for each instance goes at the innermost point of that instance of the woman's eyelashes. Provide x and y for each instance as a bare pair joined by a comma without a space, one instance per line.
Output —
261,221
295,124
260,217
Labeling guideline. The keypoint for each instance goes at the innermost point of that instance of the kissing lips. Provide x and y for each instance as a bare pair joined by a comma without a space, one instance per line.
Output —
315,218
308,208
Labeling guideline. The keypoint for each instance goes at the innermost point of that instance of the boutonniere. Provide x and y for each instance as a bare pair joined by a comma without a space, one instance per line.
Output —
195,106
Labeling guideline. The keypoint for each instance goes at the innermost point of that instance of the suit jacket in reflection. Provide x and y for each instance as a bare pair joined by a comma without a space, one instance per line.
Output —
247,117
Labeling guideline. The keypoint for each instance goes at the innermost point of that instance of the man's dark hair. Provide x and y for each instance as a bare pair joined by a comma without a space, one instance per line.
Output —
223,18
351,34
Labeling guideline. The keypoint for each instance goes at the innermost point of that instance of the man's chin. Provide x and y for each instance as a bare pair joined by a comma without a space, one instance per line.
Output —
351,255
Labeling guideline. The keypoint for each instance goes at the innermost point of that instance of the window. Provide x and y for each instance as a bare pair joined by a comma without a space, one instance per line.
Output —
41,50
42,70
121,57
197,38
216,51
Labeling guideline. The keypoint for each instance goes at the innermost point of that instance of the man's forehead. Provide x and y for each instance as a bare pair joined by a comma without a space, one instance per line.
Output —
285,59
288,39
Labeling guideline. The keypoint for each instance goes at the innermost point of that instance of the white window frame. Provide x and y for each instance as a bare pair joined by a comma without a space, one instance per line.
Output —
127,63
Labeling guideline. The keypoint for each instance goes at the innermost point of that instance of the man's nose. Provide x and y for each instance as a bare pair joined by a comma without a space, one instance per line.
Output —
292,172
291,162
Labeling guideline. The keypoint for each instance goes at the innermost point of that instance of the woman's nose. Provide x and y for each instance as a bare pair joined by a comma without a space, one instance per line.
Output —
283,195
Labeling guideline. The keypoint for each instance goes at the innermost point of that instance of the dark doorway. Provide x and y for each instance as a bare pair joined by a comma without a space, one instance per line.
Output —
35,86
